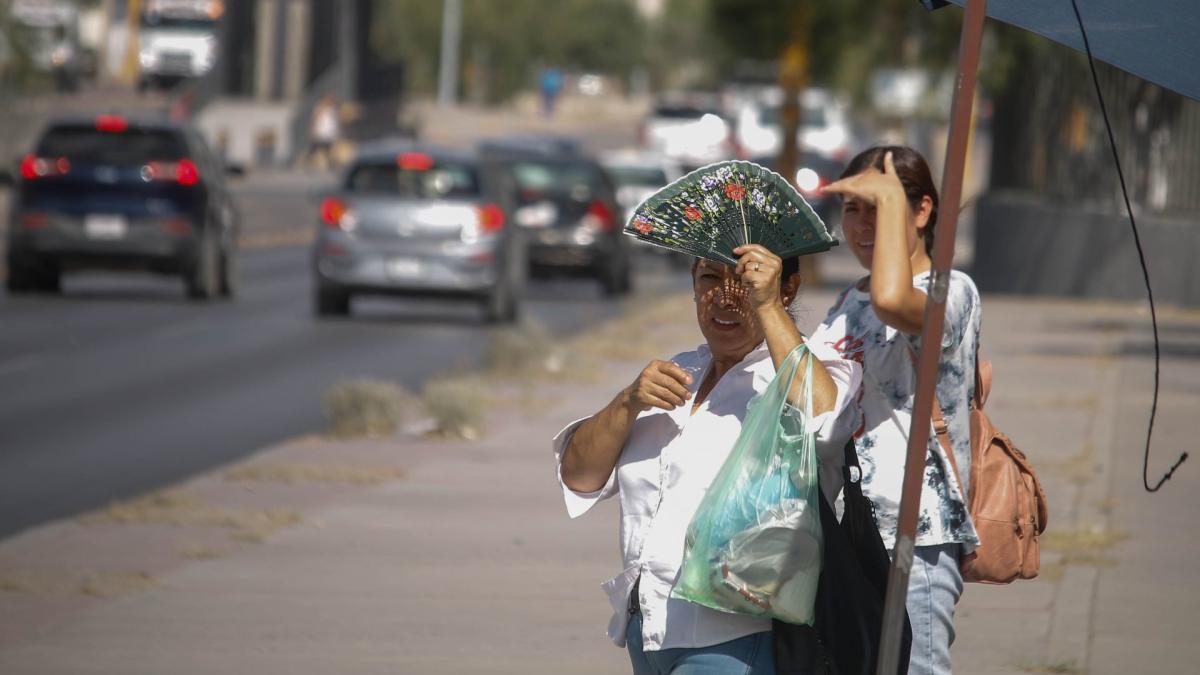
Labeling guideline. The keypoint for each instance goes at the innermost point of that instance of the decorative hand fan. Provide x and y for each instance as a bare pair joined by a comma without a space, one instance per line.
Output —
717,208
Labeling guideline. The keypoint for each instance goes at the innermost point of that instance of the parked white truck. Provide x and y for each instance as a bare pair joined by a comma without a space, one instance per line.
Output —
178,40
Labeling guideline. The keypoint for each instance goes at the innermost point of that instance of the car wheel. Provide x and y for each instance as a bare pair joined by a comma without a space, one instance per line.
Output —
501,305
616,277
229,275
330,301
203,279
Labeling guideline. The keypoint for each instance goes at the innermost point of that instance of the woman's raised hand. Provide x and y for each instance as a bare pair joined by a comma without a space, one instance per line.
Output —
661,384
870,186
759,269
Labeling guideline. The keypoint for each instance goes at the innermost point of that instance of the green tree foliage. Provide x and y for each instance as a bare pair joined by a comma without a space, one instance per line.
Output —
847,39
505,43
17,71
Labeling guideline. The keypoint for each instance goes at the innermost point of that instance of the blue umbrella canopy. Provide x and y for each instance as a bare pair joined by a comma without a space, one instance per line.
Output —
1157,40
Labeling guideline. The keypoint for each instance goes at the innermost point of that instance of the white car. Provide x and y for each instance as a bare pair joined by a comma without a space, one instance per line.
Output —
689,130
824,128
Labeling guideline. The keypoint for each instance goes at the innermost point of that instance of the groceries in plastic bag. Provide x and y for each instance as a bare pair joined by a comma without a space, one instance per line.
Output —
754,543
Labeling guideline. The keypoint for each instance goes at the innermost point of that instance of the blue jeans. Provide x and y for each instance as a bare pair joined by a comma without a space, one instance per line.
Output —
750,655
934,586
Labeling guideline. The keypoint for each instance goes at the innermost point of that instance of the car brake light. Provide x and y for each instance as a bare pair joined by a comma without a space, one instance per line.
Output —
414,161
601,215
33,167
186,172
29,167
112,124
335,214
491,218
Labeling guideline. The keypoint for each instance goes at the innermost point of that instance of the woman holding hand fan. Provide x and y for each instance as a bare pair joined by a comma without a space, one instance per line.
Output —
889,212
661,440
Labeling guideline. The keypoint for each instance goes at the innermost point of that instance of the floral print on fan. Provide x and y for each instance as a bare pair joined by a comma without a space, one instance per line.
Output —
713,210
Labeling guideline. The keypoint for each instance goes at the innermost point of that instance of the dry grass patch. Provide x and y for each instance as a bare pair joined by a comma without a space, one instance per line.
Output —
104,584
525,351
174,507
369,408
457,405
202,552
1084,547
109,584
1078,470
1083,540
291,474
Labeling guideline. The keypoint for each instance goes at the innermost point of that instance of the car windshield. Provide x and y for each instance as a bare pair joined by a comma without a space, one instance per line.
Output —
638,175
813,117
441,180
134,146
540,180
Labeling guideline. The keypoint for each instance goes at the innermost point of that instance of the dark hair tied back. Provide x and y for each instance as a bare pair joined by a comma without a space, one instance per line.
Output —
914,175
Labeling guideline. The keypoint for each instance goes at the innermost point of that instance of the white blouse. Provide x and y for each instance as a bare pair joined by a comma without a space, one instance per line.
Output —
665,468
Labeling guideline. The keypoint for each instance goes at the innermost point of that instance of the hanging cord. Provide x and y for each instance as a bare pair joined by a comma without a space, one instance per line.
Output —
1145,271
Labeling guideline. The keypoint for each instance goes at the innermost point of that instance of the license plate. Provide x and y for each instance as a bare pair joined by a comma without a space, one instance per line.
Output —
105,227
403,268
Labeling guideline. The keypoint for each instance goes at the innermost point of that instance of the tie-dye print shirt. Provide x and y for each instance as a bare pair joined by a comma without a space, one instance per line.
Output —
880,418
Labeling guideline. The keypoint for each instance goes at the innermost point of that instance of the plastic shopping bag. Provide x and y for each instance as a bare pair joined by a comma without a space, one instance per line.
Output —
754,543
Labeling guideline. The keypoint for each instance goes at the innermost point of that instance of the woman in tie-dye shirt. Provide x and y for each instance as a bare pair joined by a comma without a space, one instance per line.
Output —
889,212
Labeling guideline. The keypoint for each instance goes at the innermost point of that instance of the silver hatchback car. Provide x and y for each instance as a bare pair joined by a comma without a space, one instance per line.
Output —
418,222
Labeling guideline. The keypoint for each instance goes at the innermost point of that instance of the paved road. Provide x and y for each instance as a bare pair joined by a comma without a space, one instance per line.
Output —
121,385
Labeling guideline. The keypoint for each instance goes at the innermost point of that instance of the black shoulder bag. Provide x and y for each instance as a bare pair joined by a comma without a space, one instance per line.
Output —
844,639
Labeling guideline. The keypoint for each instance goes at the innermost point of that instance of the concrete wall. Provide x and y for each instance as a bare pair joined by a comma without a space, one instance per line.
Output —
1027,245
240,129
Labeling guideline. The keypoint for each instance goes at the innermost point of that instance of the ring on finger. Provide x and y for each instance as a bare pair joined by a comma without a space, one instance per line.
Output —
756,267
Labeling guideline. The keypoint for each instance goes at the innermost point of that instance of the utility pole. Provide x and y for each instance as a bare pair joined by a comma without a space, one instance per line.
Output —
103,60
448,70
931,335
131,66
793,79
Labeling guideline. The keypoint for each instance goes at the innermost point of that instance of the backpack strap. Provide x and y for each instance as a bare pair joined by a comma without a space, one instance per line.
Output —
983,381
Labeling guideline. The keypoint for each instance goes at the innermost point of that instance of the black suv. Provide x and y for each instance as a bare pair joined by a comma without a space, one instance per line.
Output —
116,193
566,204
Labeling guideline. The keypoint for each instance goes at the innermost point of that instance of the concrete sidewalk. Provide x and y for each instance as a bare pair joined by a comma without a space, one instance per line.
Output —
467,563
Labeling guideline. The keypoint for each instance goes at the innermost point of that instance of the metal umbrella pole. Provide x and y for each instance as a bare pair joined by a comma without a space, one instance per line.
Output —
931,334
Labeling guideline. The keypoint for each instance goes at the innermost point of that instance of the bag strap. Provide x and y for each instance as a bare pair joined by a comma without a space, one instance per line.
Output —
940,428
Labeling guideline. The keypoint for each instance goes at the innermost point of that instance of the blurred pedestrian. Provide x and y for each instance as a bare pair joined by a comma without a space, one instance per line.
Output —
661,441
551,86
324,131
889,212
